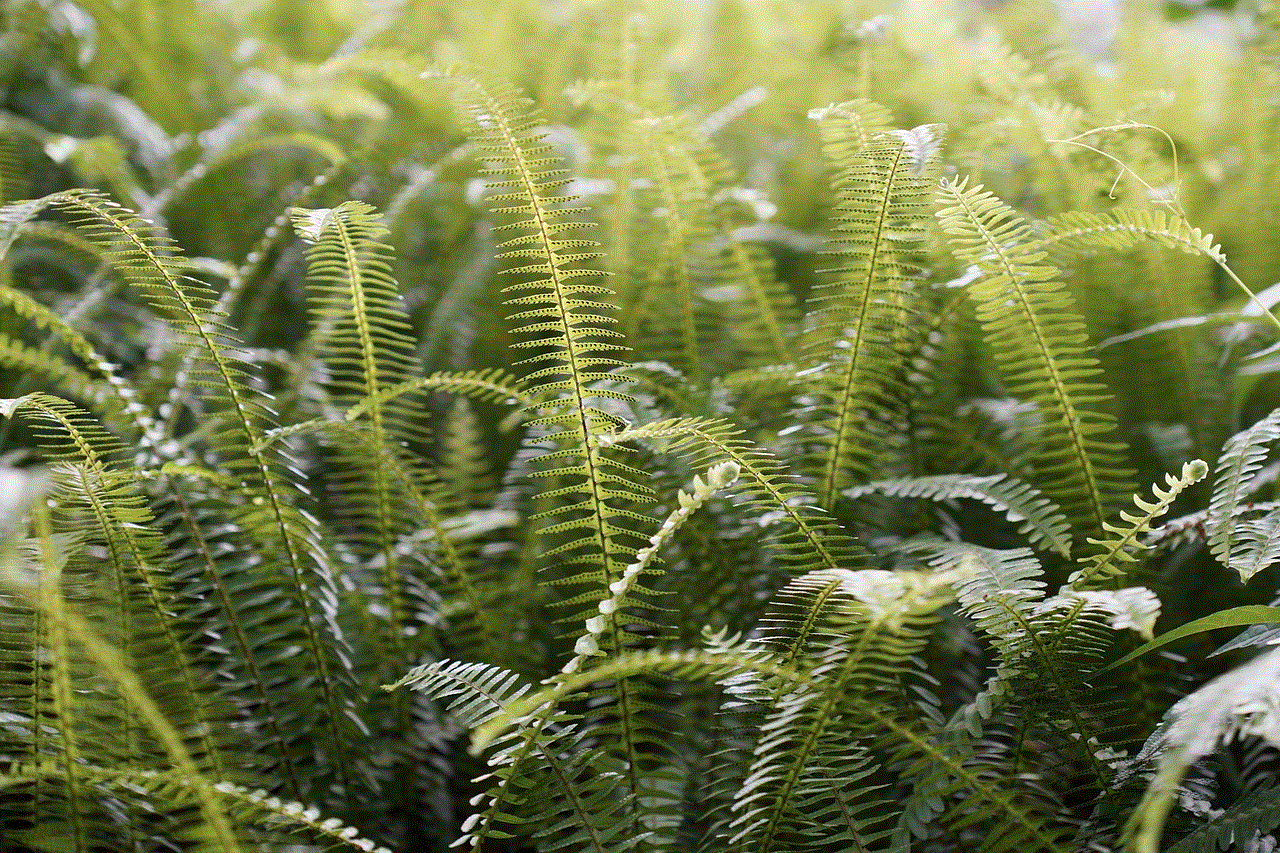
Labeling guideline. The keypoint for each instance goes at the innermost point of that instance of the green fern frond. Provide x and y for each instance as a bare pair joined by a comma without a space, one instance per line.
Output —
13,183
493,385
1042,523
1235,544
810,539
568,322
1107,566
861,319
112,391
545,779
94,494
1256,813
54,371
1039,345
151,263
1118,230
364,340
668,317
1044,646
475,692
1239,703
812,763
108,717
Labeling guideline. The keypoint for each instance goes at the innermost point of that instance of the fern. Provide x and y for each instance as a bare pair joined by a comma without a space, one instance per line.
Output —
1107,564
809,541
569,327
862,318
1253,814
1038,342
1236,704
1234,479
742,552
1043,524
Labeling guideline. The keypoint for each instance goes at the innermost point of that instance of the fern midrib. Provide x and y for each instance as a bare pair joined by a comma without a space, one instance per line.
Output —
369,360
1058,389
1163,236
129,724
264,474
831,472
50,605
811,615
110,529
747,464
586,439
846,811
832,696
1049,665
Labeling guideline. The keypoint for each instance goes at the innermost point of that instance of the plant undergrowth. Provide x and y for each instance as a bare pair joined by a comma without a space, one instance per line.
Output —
755,425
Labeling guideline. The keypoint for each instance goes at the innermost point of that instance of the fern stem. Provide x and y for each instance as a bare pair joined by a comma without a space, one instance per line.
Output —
48,605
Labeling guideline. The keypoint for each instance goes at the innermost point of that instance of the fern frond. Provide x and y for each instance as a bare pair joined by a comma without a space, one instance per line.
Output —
491,385
718,477
93,495
1117,549
150,261
810,539
862,317
567,321
1039,345
69,715
1241,702
1234,543
366,343
475,692
1044,645
109,388
1256,813
1042,522
1118,230
812,763
547,781
13,180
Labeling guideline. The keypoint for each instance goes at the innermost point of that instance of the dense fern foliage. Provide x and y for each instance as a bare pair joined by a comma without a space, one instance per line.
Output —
747,425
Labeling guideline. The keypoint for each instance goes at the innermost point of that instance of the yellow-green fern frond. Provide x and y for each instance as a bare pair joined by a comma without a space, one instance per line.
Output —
1039,345
861,324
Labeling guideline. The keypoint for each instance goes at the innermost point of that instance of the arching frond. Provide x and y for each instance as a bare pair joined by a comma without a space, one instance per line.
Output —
149,260
809,539
1039,345
1116,549
1235,544
1042,523
862,317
